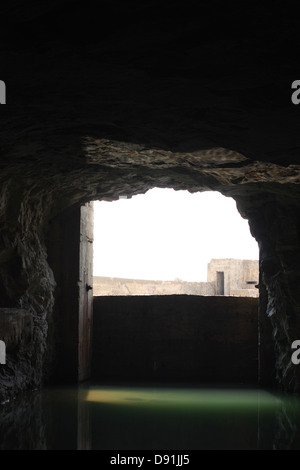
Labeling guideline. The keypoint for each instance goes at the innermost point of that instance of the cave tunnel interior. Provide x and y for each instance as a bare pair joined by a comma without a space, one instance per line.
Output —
144,96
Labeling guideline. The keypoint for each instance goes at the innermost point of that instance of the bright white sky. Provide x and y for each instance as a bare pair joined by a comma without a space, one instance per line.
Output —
166,234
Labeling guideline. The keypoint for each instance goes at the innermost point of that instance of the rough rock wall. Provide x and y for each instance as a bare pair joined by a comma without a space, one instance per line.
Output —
274,219
26,282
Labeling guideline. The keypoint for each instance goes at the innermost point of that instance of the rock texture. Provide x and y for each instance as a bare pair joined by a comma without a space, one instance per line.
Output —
138,96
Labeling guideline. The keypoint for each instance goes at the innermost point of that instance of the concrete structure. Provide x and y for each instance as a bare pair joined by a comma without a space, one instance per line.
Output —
234,277
120,286
176,338
231,277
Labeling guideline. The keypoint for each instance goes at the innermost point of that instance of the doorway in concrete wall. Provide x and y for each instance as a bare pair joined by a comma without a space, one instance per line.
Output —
171,298
220,283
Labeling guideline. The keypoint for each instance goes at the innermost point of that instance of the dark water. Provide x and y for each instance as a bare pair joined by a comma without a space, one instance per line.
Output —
103,417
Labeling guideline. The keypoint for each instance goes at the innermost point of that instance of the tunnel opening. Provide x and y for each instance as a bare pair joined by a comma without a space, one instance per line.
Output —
173,242
171,333
69,244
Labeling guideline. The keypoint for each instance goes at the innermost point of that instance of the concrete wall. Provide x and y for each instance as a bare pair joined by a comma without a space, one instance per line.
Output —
240,276
179,338
240,279
119,286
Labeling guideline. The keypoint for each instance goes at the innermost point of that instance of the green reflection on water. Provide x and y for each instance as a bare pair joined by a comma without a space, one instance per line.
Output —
151,418
197,399
183,418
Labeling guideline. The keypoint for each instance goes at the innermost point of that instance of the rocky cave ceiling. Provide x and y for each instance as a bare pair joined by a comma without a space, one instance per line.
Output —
145,89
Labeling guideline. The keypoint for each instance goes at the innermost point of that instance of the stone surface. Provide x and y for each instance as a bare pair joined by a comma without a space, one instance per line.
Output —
118,286
16,325
138,100
237,274
238,277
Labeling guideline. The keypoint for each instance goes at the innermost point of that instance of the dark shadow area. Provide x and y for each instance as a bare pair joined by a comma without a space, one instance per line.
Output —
171,338
179,78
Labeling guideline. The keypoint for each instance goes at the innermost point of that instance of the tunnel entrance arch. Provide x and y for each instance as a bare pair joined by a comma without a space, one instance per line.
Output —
248,199
151,330
75,228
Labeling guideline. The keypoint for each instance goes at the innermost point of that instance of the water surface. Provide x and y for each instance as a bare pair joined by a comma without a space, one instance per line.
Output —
104,417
